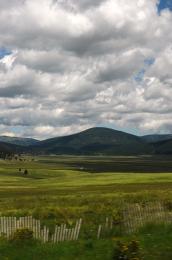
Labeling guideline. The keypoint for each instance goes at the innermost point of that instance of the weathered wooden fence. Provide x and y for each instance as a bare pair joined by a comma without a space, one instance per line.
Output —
137,215
133,217
8,225
62,233
107,225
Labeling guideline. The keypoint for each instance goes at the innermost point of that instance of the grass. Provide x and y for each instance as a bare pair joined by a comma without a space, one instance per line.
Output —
155,242
62,189
81,250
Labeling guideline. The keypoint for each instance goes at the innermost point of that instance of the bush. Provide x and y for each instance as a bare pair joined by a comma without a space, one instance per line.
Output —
127,251
89,244
22,235
168,205
25,172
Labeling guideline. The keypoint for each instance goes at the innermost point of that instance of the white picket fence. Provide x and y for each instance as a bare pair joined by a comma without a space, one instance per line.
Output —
137,215
133,217
8,225
108,225
66,234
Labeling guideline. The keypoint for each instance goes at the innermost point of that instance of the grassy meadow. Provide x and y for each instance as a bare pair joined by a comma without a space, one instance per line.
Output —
61,189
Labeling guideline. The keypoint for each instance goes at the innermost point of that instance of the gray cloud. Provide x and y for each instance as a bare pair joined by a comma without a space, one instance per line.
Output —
74,64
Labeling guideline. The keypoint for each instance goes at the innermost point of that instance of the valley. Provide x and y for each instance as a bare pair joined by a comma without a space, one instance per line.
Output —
60,189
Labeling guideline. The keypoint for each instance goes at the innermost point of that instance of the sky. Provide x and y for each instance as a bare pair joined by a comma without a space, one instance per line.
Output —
68,65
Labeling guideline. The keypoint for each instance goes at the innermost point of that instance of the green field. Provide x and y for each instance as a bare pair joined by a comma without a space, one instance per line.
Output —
63,189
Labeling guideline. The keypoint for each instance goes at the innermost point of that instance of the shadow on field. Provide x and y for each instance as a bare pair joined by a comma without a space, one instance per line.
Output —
140,164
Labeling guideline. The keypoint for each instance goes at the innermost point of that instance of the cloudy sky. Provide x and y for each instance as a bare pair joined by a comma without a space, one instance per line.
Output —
68,65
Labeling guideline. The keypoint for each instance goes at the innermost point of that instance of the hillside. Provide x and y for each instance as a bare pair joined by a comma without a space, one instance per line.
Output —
18,140
163,147
6,148
156,138
98,140
93,141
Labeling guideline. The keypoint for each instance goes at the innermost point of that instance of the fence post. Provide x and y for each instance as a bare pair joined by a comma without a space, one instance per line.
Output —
99,231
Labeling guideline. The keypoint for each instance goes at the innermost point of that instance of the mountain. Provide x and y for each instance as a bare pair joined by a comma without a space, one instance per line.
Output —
156,138
163,147
94,141
6,148
18,140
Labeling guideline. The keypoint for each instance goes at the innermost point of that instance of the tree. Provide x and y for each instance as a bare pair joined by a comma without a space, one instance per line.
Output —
25,172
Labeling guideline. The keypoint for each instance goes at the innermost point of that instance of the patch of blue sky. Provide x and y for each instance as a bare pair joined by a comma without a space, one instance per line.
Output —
149,61
4,52
164,4
17,130
139,76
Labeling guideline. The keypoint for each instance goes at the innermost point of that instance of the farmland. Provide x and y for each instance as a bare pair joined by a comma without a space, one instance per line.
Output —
61,189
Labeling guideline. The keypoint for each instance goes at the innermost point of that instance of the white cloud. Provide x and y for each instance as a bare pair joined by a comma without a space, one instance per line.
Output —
8,60
74,65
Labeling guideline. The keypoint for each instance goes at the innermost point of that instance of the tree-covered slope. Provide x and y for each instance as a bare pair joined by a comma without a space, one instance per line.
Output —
18,140
98,140
163,147
156,138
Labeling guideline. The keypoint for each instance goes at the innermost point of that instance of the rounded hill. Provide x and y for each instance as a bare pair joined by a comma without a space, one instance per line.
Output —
94,141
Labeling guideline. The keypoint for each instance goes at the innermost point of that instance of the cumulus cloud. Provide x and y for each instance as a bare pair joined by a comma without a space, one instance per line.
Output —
78,64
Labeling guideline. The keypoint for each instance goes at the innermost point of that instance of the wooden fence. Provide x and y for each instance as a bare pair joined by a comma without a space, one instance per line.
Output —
133,217
137,215
8,225
107,225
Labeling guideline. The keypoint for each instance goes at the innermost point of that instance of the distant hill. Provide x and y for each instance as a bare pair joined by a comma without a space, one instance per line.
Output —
18,140
94,141
6,148
163,147
156,138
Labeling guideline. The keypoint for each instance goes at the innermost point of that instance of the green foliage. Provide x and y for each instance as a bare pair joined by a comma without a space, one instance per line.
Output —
89,244
168,205
22,236
127,251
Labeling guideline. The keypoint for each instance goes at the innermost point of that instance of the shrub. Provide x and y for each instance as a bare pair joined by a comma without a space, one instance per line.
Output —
127,251
22,235
168,205
25,172
89,244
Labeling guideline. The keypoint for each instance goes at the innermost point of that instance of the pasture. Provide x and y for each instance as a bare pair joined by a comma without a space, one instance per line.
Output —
62,189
